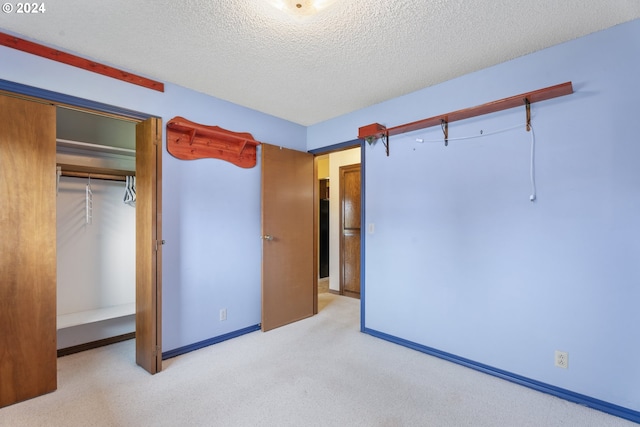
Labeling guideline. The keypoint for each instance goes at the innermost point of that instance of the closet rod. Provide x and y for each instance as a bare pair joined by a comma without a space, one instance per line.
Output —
95,147
108,177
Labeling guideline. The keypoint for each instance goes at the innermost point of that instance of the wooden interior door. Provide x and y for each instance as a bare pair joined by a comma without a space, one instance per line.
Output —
27,250
350,230
288,270
149,245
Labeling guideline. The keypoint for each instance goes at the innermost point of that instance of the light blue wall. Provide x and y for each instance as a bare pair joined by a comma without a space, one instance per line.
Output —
211,209
462,261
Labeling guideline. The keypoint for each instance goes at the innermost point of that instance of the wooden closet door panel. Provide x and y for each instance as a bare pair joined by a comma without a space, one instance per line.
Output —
148,245
27,250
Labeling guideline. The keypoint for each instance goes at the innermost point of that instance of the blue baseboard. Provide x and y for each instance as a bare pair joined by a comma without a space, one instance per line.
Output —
215,340
580,399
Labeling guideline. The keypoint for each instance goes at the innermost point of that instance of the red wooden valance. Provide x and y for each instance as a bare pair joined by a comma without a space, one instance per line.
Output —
187,140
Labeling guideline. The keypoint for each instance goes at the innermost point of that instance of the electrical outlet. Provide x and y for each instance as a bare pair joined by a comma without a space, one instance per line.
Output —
562,359
223,314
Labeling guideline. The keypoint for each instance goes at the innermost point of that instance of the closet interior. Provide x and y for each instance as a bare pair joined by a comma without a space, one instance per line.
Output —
96,229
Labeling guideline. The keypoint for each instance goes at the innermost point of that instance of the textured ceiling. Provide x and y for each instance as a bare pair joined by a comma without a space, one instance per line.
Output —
354,54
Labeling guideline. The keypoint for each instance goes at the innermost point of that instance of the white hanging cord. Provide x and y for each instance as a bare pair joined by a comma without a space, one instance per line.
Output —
532,173
481,135
532,176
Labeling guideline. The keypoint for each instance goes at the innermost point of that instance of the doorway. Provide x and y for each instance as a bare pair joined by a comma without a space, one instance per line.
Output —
350,237
96,290
329,178
140,139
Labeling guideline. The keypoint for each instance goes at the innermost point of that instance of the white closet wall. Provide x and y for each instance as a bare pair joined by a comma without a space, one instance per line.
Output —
96,261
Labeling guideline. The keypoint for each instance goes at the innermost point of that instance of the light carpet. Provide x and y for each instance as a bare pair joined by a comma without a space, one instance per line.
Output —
319,371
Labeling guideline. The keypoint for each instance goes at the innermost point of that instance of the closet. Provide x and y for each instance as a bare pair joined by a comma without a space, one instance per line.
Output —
29,155
96,226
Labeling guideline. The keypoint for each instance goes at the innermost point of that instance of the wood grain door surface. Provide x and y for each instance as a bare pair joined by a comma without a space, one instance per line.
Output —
27,250
287,230
149,245
350,230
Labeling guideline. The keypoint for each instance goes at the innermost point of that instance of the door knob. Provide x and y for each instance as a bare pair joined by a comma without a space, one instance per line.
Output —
267,237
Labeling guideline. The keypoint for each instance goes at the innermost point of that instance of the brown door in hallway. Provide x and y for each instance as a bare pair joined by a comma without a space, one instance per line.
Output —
350,230
27,250
288,270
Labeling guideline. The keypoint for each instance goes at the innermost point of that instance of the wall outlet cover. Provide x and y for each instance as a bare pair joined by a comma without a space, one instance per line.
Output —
562,359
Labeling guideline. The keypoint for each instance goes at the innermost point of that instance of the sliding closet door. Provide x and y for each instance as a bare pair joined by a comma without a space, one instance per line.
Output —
149,245
27,250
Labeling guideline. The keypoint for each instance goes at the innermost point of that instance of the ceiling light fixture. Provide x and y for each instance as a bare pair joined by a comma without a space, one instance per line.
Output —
301,7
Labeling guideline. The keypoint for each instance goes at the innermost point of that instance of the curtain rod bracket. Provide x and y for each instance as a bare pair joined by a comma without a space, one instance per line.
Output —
373,133
445,129
527,105
385,141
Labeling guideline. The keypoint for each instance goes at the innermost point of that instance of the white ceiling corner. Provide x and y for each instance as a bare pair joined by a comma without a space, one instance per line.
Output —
352,55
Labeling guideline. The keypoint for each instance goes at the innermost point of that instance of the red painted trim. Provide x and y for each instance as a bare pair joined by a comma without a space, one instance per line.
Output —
76,61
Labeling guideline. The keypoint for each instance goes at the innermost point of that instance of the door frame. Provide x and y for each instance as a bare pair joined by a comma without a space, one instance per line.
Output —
58,99
347,145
